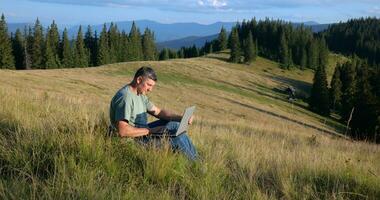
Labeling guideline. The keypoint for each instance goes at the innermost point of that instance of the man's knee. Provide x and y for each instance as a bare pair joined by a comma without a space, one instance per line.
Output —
173,126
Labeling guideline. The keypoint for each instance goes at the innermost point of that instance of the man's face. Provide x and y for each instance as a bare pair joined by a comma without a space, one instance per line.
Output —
144,85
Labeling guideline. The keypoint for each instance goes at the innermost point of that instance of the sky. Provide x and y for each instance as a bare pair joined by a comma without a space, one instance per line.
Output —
74,12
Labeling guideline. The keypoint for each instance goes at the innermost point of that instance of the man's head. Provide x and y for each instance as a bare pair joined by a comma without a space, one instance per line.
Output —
144,80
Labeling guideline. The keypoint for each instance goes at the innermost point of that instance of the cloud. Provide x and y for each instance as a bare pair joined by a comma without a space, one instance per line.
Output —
213,3
374,11
237,6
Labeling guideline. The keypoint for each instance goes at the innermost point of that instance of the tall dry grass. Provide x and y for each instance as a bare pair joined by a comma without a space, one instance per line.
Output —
53,143
55,147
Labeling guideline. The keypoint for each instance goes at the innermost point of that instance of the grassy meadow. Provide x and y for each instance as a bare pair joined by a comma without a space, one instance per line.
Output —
254,143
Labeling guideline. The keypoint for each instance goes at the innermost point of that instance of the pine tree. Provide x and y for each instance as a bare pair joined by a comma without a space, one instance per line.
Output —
103,53
28,47
319,99
135,46
114,43
90,44
235,46
312,55
80,52
66,51
364,119
49,57
164,54
323,53
18,46
181,53
284,51
6,56
336,89
303,62
51,53
249,49
348,78
148,44
37,46
222,40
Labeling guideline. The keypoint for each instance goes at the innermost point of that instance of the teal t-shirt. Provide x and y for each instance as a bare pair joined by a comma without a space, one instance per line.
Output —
126,105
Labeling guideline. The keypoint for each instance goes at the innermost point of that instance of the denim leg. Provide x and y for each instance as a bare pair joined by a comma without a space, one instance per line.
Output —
181,142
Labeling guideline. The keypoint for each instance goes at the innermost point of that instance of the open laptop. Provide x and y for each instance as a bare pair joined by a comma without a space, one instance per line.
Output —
182,126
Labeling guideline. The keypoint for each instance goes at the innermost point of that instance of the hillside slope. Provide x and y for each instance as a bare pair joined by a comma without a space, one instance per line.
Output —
254,143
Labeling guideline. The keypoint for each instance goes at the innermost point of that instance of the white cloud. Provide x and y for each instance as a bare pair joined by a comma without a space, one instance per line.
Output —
212,3
374,11
234,6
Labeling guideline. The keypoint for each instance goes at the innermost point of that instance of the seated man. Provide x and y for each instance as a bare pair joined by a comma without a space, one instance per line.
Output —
128,114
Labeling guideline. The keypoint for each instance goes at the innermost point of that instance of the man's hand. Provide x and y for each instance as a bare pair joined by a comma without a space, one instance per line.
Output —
191,120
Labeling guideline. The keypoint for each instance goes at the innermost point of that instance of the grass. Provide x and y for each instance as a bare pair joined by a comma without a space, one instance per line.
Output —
53,144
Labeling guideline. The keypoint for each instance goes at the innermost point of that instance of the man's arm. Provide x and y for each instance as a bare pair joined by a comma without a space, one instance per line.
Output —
126,130
166,115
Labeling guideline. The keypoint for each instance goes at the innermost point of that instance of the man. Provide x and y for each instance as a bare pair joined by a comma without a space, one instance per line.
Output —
128,114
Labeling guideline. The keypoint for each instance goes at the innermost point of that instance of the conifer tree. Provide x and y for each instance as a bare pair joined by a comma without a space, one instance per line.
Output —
323,53
103,53
235,46
135,46
149,47
284,51
124,46
249,49
6,56
164,54
312,54
18,46
28,47
51,53
336,89
319,99
37,46
66,51
303,62
348,78
50,59
90,44
181,53
364,119
222,40
80,52
114,43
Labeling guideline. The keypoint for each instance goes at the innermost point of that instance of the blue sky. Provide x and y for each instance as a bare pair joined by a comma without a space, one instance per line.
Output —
72,12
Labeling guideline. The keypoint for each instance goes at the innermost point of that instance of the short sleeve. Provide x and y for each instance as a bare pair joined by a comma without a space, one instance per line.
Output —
123,110
149,105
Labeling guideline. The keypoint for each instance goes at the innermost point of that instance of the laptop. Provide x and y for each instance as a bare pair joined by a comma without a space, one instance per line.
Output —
182,126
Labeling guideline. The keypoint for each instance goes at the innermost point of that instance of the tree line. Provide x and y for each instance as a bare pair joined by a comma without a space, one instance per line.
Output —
279,41
354,93
37,48
359,37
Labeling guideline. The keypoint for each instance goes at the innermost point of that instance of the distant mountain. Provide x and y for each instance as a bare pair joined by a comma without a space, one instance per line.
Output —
12,27
199,41
186,42
173,35
315,27
165,32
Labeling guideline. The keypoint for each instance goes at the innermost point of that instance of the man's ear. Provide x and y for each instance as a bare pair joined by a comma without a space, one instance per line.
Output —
139,80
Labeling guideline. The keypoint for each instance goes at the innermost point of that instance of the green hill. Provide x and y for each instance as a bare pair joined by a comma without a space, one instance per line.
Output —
254,143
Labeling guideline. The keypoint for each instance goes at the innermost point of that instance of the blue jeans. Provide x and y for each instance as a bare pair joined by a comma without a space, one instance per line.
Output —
180,143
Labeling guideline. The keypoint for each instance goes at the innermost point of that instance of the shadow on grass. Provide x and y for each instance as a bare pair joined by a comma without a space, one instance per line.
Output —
285,118
332,122
218,56
302,86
